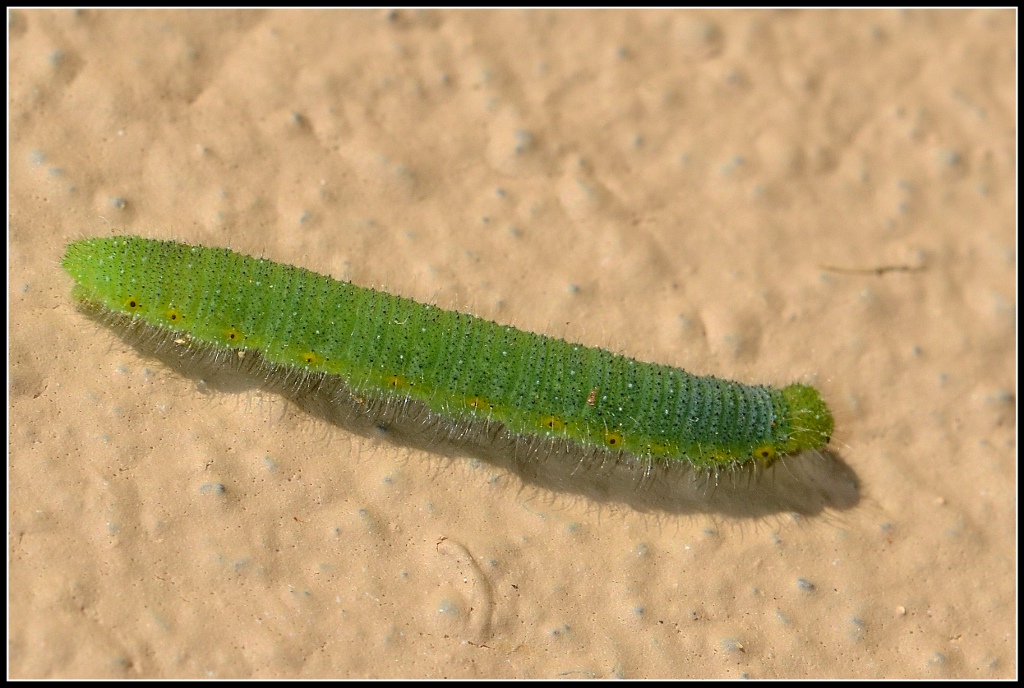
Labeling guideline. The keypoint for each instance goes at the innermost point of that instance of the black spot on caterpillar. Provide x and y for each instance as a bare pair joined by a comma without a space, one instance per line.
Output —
372,359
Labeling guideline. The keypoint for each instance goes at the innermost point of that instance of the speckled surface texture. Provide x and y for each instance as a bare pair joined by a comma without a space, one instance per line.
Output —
818,196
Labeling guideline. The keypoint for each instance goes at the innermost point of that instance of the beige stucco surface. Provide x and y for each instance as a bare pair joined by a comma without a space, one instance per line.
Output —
767,196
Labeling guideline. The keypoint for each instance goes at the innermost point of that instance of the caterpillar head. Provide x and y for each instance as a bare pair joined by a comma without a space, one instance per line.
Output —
810,420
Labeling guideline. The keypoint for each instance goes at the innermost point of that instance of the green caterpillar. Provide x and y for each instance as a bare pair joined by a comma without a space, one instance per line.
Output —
464,369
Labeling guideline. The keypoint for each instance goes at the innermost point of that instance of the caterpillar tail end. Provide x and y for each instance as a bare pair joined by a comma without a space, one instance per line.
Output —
810,419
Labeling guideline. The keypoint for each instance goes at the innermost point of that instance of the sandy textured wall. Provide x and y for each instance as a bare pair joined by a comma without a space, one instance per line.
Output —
816,196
